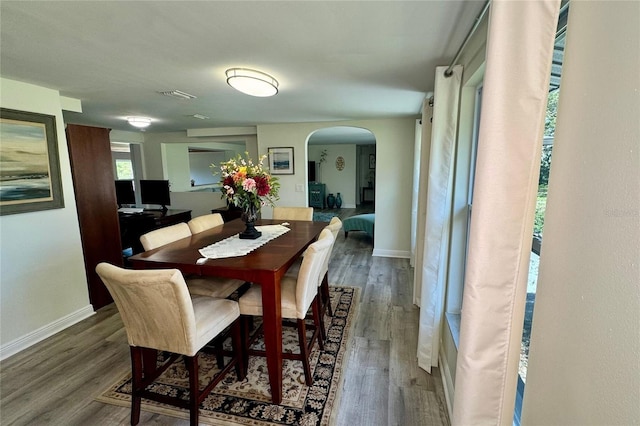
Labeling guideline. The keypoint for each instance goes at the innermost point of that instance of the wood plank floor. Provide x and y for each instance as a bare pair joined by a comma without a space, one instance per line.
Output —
55,382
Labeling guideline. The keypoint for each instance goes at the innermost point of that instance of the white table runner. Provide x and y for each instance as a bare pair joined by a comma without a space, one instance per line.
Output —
234,246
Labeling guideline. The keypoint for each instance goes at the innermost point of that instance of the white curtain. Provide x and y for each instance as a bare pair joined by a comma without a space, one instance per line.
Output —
519,51
421,216
433,262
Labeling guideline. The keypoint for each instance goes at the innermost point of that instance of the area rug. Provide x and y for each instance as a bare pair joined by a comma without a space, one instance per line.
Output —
249,402
323,216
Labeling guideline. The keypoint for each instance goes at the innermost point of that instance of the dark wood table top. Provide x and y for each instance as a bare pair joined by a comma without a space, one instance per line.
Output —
276,255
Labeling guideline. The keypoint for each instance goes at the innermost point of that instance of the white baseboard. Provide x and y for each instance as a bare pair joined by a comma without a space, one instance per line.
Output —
402,254
42,333
447,382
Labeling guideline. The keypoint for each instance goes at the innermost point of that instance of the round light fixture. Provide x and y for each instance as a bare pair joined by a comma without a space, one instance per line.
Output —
252,82
139,122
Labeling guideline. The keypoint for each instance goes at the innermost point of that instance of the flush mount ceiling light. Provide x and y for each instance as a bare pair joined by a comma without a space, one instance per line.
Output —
252,82
139,122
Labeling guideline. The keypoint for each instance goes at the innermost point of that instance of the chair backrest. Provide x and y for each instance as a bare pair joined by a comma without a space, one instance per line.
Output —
166,235
207,221
309,274
155,307
293,213
334,226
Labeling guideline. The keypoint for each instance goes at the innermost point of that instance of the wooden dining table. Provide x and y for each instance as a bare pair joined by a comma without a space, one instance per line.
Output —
265,266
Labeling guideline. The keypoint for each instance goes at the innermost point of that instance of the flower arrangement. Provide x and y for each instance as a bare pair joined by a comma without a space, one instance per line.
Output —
248,185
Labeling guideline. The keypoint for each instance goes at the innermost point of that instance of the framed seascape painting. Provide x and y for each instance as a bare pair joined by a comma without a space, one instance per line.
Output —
281,161
29,164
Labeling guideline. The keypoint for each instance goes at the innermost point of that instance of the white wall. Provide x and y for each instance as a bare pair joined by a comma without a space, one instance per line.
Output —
157,163
200,166
584,360
43,287
394,147
337,181
199,202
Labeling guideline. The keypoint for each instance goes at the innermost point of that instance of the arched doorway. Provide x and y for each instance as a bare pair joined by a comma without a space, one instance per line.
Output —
341,160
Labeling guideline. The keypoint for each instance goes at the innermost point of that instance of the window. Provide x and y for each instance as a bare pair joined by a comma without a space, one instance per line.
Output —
541,203
471,101
124,169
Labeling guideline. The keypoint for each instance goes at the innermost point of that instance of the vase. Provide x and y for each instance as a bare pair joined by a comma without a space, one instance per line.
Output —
249,216
331,201
338,200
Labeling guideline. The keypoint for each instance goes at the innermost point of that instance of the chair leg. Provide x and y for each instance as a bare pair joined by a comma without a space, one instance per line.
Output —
245,337
326,298
149,361
302,340
136,378
323,332
194,388
238,349
318,322
219,355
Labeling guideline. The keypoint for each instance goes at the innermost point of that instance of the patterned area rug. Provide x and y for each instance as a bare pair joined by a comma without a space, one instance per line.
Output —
249,402
323,216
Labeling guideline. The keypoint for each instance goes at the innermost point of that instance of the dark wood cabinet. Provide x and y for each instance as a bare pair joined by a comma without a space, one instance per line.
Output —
92,170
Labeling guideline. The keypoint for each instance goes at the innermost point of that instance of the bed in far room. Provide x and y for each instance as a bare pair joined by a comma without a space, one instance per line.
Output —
361,222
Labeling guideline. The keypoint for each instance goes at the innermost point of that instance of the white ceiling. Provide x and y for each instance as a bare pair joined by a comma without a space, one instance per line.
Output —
334,60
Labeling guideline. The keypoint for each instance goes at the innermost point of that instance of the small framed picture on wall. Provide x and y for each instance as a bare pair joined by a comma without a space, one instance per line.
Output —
372,161
281,161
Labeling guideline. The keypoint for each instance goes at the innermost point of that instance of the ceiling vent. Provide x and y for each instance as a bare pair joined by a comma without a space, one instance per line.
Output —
178,94
200,116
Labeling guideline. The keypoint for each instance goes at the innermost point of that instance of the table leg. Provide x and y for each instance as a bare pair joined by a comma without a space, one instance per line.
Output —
272,323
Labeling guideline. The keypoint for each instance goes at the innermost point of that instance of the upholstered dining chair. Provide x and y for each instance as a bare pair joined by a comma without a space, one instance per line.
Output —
166,235
159,315
203,286
204,222
293,213
334,226
298,295
324,298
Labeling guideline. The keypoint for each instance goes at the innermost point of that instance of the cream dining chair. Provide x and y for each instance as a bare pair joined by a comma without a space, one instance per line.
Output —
324,299
204,222
298,295
334,226
159,315
293,213
200,285
166,235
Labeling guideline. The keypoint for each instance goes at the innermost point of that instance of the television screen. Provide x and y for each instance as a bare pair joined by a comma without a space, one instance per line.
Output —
155,192
124,192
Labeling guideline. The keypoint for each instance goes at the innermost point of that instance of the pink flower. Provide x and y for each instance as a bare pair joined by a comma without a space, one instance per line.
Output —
249,185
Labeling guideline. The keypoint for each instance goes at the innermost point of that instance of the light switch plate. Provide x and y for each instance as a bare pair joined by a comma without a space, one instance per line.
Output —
299,187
